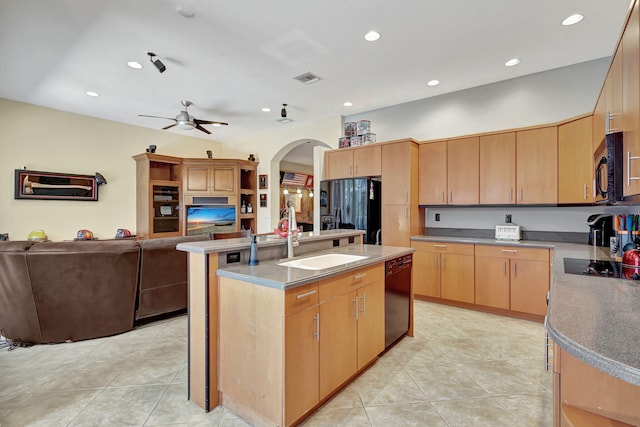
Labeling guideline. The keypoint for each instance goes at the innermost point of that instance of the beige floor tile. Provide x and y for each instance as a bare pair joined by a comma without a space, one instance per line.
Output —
182,376
532,411
125,406
405,415
500,378
387,383
49,409
481,412
87,373
229,419
174,408
347,398
443,380
148,371
10,402
534,368
350,417
414,351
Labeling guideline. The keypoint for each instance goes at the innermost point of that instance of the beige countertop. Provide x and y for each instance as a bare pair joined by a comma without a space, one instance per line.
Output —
595,319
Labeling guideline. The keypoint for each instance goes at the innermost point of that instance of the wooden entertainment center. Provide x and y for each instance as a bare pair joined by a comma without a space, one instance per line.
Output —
166,186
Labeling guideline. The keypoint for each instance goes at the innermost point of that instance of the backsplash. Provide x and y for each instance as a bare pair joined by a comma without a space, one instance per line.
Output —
548,219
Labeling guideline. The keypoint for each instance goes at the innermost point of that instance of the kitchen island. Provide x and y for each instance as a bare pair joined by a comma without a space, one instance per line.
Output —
595,325
268,318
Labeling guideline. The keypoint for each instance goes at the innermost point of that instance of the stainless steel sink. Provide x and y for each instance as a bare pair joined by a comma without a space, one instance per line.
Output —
321,262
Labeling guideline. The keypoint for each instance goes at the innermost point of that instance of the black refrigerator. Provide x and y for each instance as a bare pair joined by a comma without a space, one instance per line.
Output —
355,203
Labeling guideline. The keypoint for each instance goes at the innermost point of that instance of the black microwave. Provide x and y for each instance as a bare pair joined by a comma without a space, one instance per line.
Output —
608,169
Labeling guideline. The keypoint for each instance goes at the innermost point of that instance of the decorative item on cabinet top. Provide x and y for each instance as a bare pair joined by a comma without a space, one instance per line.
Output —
357,133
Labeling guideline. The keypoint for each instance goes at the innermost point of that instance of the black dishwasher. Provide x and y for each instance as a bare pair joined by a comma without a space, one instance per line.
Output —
397,298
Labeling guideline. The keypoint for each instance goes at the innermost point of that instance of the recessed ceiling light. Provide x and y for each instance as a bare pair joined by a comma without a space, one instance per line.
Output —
266,109
433,82
573,19
348,104
134,64
184,12
512,62
92,93
372,36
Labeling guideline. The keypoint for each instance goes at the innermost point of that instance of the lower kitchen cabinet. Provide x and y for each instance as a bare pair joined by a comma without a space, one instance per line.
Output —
302,363
587,396
444,270
515,279
283,352
492,282
339,336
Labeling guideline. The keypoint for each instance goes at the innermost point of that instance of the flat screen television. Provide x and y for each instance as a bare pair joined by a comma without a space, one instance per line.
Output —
211,219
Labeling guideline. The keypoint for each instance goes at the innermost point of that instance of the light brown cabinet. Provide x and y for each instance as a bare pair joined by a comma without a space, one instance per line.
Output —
537,166
353,162
401,216
511,278
463,175
575,161
203,177
613,97
444,270
432,173
631,103
159,209
498,169
599,114
587,396
370,322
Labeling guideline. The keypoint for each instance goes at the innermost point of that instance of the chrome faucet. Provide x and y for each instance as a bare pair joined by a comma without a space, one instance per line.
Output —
292,237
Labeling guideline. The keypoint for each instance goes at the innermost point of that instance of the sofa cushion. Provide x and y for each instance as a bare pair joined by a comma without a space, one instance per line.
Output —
84,289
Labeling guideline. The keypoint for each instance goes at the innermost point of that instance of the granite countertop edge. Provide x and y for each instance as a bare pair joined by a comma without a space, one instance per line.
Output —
564,320
269,273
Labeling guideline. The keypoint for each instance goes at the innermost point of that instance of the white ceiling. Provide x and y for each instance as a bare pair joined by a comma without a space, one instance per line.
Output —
234,57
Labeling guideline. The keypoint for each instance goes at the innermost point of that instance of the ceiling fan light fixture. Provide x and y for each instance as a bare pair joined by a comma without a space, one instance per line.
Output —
283,112
158,64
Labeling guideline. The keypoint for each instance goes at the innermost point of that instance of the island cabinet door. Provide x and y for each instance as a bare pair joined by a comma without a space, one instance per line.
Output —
338,341
529,286
302,363
492,282
370,322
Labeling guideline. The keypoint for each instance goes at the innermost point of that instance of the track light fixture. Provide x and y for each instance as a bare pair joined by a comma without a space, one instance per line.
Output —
159,65
283,112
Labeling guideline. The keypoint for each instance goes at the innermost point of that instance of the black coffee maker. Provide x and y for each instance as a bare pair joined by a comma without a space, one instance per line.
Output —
600,229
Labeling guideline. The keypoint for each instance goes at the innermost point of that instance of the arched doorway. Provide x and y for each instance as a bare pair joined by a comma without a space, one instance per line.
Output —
299,152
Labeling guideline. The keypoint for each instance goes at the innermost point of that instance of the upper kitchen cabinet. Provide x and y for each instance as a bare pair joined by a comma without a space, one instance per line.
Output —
399,169
599,114
575,161
205,177
613,98
432,173
498,169
463,171
631,103
537,166
401,216
353,162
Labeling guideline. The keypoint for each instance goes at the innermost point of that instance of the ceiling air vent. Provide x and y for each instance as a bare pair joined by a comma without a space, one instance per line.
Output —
307,78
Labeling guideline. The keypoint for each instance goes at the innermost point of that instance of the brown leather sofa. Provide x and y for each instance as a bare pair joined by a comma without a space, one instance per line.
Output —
68,291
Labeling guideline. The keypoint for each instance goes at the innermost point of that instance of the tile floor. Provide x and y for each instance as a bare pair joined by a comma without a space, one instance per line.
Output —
463,368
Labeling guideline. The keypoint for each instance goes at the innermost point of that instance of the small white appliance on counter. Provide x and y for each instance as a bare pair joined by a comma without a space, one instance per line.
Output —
508,232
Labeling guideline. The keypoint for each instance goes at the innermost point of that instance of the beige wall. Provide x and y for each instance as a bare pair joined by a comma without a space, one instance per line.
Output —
50,140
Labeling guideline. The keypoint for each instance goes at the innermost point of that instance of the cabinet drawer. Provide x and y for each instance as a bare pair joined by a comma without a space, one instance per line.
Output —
300,298
346,282
513,252
443,247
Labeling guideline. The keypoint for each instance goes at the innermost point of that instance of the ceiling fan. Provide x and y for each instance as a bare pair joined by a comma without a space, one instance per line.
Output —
184,120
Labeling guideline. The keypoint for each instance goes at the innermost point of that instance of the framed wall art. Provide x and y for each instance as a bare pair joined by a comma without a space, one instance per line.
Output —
55,186
262,182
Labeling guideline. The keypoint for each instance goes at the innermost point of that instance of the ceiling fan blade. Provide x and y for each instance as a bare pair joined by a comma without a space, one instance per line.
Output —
202,129
168,127
209,122
158,117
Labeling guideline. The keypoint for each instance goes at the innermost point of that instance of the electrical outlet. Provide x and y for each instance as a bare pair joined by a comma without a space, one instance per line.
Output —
437,217
507,218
